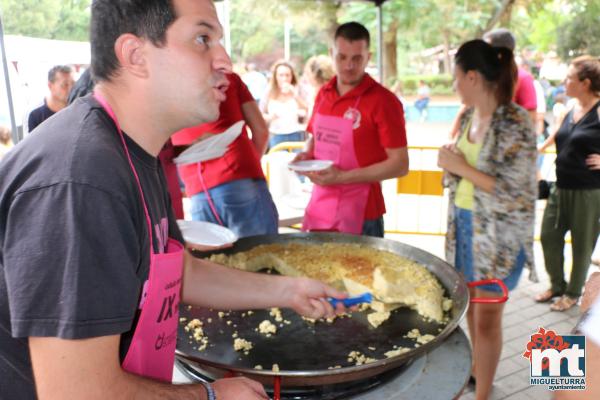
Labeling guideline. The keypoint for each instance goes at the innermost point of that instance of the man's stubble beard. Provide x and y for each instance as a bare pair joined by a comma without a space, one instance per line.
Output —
209,105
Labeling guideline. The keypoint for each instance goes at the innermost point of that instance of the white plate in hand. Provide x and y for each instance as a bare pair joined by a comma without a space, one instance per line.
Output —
211,148
205,233
310,165
192,158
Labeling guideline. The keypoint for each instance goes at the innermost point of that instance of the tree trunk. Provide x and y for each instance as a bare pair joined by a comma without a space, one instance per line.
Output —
503,13
447,61
507,15
390,46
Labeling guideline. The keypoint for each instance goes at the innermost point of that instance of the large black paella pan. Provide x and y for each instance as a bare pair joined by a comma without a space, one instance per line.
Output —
308,353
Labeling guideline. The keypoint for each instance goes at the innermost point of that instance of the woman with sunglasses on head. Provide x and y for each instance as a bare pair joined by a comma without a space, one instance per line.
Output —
490,171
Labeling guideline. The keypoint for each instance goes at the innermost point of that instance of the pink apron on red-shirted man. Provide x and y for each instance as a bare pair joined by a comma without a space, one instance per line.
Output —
152,350
338,208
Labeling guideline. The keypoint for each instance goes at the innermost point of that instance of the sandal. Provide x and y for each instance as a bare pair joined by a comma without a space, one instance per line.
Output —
563,303
545,296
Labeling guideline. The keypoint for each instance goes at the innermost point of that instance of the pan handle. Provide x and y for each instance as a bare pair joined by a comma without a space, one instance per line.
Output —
489,300
277,388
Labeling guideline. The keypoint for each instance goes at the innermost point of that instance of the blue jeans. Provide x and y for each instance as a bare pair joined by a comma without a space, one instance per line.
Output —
245,206
373,227
286,137
463,220
421,104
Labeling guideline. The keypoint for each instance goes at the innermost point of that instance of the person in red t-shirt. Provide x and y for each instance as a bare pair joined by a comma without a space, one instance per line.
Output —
525,95
235,182
358,124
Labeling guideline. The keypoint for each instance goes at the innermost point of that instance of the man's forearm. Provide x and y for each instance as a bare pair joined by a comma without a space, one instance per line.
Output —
207,284
257,124
260,142
138,388
392,167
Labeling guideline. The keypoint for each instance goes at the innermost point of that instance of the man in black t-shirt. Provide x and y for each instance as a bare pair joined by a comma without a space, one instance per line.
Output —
74,244
83,86
60,82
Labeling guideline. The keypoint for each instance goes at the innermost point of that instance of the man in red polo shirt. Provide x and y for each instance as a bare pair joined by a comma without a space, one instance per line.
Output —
235,182
359,125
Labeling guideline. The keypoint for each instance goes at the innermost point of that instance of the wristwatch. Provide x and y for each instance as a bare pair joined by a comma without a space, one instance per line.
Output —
210,392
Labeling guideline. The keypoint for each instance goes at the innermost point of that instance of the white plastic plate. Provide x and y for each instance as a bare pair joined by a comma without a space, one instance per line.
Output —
205,233
310,165
211,148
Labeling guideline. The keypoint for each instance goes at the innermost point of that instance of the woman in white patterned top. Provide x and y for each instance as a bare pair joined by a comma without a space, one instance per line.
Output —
282,107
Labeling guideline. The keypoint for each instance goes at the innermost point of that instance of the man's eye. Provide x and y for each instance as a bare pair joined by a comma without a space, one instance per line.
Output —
202,39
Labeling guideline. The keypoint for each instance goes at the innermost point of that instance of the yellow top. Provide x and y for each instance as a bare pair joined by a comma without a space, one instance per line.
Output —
465,189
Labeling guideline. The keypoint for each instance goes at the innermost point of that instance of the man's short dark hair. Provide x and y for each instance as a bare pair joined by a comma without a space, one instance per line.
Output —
58,69
352,31
501,37
110,19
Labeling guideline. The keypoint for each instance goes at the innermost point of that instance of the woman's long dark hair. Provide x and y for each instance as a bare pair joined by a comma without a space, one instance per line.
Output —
496,65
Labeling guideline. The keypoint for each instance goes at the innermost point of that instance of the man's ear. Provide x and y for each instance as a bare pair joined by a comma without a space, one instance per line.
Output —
129,50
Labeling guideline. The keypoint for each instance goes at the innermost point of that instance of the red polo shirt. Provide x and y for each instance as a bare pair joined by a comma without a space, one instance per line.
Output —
241,161
381,127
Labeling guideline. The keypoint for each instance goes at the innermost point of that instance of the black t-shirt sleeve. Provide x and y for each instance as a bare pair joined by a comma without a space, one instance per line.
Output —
34,119
71,252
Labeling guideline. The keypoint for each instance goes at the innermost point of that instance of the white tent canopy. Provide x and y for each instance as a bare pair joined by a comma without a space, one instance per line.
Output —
22,49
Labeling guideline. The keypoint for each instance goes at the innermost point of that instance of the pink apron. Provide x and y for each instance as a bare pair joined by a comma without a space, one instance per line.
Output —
338,208
152,350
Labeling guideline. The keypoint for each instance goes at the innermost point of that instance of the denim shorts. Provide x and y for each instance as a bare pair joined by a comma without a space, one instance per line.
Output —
463,220
245,206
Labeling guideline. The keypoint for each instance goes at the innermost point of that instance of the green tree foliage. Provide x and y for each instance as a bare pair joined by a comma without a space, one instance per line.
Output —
412,29
580,33
256,30
253,30
51,19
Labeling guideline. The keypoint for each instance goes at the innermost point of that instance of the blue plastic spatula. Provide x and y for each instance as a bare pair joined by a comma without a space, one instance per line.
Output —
352,301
